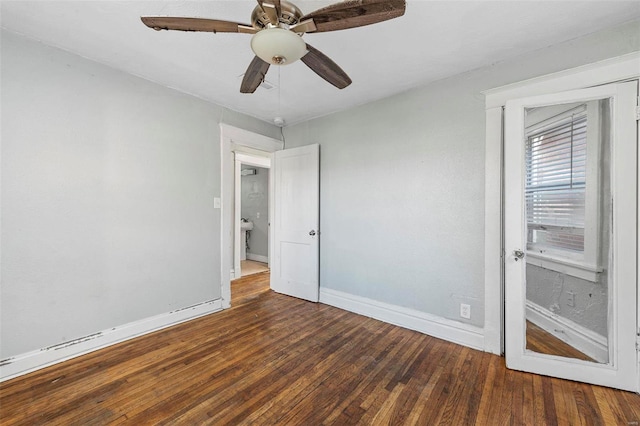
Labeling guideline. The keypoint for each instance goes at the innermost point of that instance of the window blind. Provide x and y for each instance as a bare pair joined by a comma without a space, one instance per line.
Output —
555,182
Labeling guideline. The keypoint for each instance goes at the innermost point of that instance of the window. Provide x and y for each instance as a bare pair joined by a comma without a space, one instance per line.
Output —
563,185
555,183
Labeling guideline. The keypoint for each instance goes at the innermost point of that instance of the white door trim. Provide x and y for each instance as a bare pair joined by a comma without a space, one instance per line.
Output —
493,277
610,70
607,71
238,140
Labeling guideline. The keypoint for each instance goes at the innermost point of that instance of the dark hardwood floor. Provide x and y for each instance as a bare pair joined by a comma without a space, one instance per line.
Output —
277,360
538,340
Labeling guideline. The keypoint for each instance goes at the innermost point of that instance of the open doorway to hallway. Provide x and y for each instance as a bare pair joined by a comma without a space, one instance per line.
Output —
251,214
254,217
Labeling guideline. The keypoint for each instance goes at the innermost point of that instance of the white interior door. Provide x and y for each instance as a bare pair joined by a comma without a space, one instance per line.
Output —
570,235
296,234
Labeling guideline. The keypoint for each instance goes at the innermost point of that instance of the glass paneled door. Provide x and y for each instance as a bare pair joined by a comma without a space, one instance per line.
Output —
570,235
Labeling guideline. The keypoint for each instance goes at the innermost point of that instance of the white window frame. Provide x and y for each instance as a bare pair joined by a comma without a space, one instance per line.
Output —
584,265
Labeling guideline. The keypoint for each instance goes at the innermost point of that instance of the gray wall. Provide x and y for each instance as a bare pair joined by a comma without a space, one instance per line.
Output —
549,289
402,183
107,194
255,202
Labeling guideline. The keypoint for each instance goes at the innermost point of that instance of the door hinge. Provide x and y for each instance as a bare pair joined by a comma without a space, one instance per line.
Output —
638,108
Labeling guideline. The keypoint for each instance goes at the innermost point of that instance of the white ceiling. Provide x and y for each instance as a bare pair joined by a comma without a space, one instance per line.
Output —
433,40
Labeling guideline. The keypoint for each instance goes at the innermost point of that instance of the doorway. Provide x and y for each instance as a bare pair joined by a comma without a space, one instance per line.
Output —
251,214
298,176
236,141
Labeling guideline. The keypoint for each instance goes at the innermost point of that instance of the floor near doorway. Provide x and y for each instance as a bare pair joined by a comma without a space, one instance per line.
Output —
250,267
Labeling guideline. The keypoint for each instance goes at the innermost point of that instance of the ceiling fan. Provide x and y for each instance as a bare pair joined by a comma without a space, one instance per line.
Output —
277,27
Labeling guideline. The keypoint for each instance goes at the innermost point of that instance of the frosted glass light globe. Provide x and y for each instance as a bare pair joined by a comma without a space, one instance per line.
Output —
278,46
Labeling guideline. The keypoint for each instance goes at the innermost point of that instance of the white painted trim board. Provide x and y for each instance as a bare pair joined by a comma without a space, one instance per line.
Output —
493,257
442,328
586,341
257,258
41,358
610,70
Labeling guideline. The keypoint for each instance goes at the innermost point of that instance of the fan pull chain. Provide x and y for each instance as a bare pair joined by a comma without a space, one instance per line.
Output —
280,108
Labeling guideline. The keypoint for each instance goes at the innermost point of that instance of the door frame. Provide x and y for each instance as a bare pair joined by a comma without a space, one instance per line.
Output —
612,70
234,139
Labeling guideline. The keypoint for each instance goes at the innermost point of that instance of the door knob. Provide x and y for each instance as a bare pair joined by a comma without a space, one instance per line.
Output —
312,232
519,254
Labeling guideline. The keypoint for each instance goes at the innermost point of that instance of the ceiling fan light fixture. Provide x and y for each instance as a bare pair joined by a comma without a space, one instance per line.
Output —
278,46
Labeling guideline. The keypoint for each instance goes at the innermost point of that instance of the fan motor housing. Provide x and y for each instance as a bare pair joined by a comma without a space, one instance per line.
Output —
289,15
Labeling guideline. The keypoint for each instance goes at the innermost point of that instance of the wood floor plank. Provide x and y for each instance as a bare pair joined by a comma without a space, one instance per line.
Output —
537,400
411,390
550,410
506,413
272,359
329,358
378,365
587,405
434,412
563,411
516,384
333,385
457,387
491,402
538,340
471,393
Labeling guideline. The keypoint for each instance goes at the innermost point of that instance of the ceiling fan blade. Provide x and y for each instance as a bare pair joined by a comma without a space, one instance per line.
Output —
194,24
254,76
355,13
307,26
325,67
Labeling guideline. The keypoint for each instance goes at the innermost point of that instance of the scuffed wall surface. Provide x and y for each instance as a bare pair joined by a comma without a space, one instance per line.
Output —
549,289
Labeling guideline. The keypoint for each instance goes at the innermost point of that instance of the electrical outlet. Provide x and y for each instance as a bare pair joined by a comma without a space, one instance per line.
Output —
571,299
465,311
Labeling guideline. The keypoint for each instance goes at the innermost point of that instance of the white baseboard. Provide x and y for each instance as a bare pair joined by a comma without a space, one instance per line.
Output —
442,328
258,257
35,360
586,341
